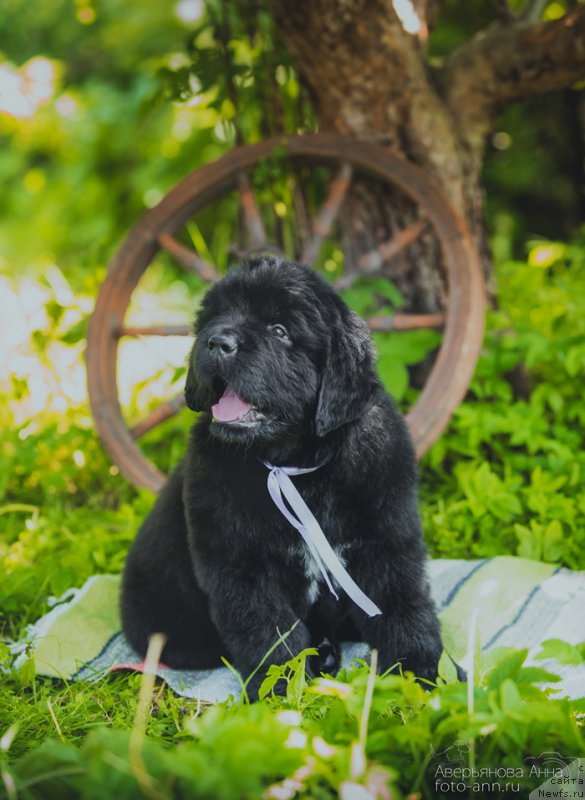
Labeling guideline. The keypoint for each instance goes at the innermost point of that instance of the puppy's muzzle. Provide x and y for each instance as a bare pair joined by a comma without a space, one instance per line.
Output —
222,346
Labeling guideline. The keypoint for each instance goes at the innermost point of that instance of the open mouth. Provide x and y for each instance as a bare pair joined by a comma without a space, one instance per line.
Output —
231,409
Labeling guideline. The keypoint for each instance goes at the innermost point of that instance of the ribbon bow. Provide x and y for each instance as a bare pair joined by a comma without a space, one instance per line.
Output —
279,484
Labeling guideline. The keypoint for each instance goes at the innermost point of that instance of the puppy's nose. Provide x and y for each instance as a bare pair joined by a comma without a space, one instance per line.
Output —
222,345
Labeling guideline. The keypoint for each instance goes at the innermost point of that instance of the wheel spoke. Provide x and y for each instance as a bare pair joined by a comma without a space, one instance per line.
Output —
154,330
327,214
373,261
301,216
163,412
347,280
406,322
188,258
252,219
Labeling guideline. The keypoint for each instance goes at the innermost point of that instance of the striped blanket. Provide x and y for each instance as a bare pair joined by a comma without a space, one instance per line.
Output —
517,602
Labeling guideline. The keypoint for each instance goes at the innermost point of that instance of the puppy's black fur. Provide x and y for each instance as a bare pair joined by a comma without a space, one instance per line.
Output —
215,565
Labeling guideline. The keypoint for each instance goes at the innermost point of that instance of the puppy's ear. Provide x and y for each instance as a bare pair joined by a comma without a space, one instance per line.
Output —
192,389
349,378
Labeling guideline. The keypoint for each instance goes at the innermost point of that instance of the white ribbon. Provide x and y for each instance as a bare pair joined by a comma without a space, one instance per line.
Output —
279,484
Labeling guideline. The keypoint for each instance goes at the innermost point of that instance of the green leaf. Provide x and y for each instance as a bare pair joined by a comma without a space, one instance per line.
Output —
562,651
297,680
447,670
178,374
554,541
373,296
76,333
510,696
394,376
536,675
273,675
385,288
575,361
507,667
529,540
409,347
52,771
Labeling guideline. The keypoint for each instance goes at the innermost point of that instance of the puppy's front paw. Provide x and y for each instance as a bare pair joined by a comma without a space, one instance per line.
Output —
327,660
424,666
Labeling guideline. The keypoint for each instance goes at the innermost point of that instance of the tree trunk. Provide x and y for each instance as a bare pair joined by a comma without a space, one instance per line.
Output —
368,77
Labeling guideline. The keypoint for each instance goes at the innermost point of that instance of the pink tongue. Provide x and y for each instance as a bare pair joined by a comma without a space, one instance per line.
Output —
230,407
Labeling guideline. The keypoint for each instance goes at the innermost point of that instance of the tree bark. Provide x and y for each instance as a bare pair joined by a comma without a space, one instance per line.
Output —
369,77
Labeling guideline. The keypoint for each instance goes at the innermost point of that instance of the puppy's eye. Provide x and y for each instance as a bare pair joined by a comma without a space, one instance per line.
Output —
279,331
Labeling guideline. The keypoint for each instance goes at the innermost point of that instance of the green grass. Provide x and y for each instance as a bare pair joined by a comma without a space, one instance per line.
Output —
359,729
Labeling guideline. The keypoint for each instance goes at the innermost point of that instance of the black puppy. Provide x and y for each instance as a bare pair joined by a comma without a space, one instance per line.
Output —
285,374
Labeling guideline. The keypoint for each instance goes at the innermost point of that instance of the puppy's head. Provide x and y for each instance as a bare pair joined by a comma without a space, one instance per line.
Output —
278,354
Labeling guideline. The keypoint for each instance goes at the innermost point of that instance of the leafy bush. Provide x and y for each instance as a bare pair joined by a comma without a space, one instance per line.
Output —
508,475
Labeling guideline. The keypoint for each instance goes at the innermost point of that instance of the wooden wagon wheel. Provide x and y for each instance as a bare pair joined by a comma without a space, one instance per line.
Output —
159,228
